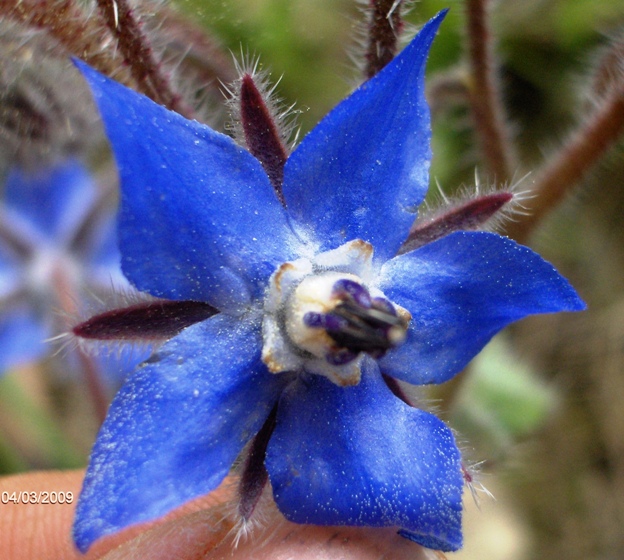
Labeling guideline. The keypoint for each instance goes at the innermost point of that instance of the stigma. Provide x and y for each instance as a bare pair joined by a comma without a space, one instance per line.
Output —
322,315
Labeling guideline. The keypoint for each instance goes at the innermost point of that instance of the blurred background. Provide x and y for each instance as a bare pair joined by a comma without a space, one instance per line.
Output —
541,411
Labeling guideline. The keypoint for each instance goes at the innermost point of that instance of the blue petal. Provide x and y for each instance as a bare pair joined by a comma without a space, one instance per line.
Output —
176,426
22,336
53,200
461,290
430,542
199,218
361,173
360,456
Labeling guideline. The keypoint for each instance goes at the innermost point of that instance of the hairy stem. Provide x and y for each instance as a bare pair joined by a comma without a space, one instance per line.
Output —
445,89
609,70
566,168
138,54
189,42
384,27
485,98
67,22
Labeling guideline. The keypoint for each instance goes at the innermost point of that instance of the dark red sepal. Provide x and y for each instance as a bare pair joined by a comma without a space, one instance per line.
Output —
262,133
154,320
469,215
254,475
396,389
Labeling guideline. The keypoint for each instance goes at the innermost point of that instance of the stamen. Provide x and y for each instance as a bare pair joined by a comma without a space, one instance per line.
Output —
350,288
320,316
322,321
384,305
358,323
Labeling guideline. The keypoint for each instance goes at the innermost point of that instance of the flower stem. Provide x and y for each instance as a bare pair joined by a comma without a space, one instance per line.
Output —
384,28
188,41
139,55
485,97
71,27
609,70
584,148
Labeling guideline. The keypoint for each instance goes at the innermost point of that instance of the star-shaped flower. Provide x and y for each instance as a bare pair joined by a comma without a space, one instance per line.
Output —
318,317
57,247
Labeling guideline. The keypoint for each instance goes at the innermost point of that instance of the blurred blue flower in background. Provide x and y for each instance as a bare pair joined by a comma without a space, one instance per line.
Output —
58,249
318,317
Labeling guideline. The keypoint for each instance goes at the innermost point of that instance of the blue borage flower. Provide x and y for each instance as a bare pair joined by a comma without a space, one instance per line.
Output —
57,242
316,313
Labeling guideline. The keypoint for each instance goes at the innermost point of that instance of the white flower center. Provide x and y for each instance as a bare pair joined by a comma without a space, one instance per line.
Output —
322,315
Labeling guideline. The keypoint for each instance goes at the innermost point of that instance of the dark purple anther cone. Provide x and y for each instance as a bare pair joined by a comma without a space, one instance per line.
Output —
384,305
314,320
357,292
358,323
322,321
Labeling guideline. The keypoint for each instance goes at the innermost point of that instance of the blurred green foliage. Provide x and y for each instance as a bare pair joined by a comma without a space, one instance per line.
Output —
501,401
